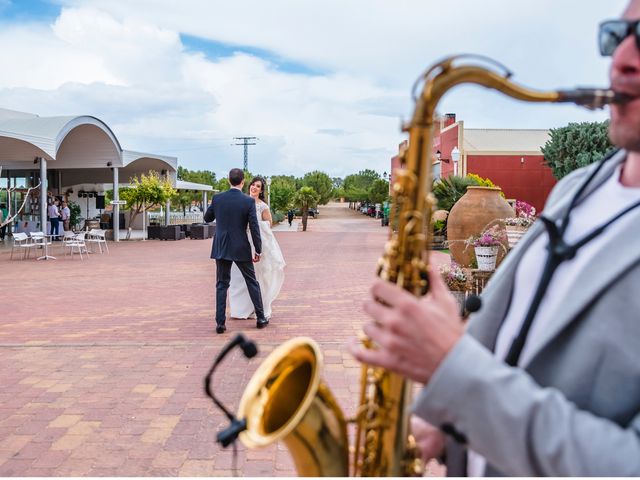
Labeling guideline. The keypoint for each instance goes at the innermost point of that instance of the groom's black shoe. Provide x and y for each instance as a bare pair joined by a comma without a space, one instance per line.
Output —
221,329
262,322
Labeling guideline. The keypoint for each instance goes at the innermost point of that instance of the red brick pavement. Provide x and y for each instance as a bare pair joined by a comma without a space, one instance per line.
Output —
103,359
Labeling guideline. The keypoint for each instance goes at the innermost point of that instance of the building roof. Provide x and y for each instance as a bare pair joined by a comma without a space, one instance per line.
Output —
504,140
70,141
182,185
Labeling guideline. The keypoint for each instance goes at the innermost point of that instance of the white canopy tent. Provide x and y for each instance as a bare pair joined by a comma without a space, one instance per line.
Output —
79,150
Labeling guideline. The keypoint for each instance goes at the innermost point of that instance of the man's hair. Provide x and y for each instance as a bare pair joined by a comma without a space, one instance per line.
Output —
236,176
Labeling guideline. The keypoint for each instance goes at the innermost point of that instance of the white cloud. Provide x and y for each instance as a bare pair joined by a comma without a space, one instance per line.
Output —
124,62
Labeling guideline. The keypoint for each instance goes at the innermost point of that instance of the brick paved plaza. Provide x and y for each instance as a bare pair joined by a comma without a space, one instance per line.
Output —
103,360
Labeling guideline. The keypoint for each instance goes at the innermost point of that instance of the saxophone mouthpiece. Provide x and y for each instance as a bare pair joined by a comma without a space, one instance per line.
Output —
593,98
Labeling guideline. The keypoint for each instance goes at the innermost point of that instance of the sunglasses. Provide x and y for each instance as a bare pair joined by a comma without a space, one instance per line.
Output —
613,32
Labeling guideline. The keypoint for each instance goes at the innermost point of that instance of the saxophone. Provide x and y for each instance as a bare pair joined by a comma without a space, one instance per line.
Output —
286,399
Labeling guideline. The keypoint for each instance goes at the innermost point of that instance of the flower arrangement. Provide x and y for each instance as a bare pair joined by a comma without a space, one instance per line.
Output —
525,210
525,215
455,277
491,237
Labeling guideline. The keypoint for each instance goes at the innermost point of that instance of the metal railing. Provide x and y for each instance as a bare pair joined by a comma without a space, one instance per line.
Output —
176,218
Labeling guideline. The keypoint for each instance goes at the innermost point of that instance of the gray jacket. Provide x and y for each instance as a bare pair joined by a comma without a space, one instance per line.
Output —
574,408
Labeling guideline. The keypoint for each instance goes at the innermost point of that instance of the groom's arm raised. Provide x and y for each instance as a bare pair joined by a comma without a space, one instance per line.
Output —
254,228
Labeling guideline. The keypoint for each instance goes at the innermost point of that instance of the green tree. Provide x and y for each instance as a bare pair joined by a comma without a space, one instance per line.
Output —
147,192
283,189
305,198
205,177
184,199
321,183
379,191
576,145
357,186
222,185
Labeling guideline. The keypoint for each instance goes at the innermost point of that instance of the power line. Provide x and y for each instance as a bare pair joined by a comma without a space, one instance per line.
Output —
245,143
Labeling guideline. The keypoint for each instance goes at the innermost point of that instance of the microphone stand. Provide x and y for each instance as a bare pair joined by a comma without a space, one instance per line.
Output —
237,426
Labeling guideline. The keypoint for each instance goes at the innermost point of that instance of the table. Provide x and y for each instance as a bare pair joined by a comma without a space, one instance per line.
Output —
47,242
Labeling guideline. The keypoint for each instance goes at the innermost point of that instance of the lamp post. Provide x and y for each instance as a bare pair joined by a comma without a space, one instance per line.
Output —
455,156
269,191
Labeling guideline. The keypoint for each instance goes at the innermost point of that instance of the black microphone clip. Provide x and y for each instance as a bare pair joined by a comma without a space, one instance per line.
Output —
231,433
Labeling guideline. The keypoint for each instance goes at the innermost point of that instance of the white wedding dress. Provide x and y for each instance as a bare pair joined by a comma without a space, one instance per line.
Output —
269,272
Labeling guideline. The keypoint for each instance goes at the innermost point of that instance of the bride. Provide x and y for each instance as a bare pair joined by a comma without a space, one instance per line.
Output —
270,268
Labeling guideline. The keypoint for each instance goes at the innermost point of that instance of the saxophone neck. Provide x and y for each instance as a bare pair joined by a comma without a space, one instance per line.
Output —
446,74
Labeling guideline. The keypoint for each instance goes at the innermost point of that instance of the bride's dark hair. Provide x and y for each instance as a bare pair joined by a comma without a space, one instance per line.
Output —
262,183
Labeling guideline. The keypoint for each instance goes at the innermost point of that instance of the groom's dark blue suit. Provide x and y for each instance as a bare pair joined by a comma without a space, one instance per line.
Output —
233,211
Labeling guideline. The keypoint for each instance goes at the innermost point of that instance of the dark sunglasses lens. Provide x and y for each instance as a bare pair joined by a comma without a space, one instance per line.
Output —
611,35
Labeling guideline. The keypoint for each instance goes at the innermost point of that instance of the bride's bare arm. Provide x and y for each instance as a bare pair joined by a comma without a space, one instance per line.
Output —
266,215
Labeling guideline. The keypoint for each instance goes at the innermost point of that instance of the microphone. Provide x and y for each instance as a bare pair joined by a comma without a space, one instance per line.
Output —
250,350
472,304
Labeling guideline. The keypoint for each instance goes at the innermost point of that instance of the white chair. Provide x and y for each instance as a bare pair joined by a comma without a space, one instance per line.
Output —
39,239
76,244
97,236
22,242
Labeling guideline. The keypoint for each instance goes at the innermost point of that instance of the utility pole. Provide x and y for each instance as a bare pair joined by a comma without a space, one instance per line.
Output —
246,142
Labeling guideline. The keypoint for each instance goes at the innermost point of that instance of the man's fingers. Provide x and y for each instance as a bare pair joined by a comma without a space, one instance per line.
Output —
387,317
369,356
388,292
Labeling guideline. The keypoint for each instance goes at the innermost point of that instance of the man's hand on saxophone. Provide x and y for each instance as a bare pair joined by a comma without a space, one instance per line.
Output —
429,439
413,335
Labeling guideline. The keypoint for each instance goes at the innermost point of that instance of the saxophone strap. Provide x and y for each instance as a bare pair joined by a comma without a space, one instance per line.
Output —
558,251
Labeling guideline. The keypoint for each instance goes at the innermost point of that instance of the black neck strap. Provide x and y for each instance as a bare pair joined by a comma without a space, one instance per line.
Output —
558,251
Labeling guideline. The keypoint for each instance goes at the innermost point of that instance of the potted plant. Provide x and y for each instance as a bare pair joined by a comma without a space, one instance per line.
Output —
439,231
486,247
518,225
457,280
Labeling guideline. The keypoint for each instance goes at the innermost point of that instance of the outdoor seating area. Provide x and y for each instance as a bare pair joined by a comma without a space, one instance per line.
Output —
195,231
169,232
67,243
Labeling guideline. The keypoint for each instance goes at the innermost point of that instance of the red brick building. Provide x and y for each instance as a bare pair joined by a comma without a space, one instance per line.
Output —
510,158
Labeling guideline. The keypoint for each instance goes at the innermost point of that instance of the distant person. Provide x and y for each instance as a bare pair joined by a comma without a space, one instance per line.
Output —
65,216
54,218
4,214
290,216
233,211
270,270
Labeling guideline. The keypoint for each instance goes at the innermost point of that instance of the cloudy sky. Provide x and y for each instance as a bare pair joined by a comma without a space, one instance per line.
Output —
322,84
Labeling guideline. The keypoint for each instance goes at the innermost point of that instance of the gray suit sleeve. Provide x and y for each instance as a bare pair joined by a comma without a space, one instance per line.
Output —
521,428
254,228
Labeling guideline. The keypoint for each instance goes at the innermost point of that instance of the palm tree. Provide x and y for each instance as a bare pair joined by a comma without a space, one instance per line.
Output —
304,199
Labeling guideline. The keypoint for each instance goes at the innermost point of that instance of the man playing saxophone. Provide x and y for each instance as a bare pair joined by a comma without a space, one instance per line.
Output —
546,379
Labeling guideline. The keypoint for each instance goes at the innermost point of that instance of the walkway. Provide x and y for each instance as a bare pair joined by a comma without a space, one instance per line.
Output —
103,360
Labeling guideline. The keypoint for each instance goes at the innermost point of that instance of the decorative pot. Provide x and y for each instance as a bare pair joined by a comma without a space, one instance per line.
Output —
486,258
514,234
470,216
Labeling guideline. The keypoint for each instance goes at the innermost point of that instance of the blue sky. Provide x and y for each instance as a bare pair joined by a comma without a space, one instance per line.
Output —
324,85
28,10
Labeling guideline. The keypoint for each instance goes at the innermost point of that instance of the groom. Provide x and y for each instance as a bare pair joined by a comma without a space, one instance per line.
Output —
232,211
